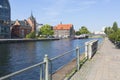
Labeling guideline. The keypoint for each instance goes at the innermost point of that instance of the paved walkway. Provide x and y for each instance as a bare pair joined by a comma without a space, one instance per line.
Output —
105,65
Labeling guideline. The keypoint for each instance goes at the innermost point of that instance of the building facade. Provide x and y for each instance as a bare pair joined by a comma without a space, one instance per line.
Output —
19,29
5,15
64,31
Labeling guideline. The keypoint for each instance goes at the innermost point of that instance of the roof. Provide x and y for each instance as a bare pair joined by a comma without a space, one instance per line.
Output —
63,27
22,23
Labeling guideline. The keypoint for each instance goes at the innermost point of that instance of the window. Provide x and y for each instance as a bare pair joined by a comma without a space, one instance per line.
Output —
1,21
5,30
2,29
0,6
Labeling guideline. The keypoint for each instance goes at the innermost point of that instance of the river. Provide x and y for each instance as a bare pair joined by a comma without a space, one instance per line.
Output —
16,56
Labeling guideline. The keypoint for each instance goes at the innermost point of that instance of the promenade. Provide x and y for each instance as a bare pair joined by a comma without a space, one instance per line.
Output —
105,65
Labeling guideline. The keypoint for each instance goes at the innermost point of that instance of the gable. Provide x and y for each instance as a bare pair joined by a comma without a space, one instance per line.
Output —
16,22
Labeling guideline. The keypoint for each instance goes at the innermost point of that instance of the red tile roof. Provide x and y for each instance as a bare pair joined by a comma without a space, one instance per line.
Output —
63,27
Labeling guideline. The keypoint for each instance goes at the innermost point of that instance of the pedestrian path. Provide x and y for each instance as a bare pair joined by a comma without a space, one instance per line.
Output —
105,65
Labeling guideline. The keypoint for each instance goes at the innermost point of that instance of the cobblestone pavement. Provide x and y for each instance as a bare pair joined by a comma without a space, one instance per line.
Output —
105,65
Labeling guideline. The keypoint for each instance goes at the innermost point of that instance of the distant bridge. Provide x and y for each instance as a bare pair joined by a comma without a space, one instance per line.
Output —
82,36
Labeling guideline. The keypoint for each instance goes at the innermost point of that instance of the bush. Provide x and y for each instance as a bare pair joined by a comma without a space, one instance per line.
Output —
31,35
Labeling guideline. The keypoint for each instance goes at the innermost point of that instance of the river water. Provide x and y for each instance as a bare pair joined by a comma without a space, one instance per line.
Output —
16,56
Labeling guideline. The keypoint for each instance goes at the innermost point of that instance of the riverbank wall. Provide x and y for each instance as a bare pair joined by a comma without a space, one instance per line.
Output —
25,40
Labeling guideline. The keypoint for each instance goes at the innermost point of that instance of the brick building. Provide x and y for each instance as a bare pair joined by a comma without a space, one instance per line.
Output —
19,29
64,31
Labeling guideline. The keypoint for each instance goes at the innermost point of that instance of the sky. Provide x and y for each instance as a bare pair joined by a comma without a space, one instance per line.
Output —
94,14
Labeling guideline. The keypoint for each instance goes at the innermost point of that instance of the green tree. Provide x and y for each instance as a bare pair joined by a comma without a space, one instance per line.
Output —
46,30
112,36
77,33
108,30
113,32
115,26
31,35
84,30
117,35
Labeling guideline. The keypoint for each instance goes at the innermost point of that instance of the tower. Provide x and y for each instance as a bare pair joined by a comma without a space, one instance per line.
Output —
32,21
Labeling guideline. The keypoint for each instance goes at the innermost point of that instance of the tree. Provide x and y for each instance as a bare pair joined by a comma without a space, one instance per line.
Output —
108,30
115,26
31,35
77,33
112,36
117,35
113,32
46,30
84,30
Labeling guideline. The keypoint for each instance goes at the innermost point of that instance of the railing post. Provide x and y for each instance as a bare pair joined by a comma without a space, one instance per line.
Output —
41,74
50,70
90,50
46,60
86,50
78,58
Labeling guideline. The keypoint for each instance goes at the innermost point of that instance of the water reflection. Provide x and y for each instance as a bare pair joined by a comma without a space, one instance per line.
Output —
4,59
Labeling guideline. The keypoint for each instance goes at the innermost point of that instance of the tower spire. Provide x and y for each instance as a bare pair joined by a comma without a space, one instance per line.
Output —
31,14
32,17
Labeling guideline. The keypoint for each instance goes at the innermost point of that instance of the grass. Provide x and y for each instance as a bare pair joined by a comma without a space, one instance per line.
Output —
74,70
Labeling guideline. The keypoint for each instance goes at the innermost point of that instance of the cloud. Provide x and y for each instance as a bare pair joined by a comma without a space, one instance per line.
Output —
55,9
77,9
107,1
59,8
89,2
81,5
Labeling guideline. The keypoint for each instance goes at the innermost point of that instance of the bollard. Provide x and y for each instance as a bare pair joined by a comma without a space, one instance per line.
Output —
78,58
46,67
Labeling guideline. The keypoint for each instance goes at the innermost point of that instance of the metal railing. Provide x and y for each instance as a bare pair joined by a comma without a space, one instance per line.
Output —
90,48
21,71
